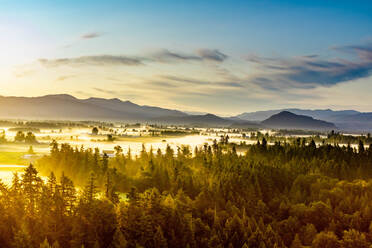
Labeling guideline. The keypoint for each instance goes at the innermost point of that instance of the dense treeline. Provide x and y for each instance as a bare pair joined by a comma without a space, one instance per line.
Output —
335,137
45,124
285,195
325,138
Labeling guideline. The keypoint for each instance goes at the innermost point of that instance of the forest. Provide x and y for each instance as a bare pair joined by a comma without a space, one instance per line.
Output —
331,137
293,195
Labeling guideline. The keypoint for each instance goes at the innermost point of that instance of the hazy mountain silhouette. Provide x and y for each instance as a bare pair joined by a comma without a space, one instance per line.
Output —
67,107
344,119
71,108
288,120
322,114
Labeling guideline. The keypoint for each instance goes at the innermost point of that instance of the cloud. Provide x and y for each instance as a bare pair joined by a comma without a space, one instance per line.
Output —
167,56
162,84
364,52
312,71
230,84
101,60
213,55
109,92
163,56
184,80
65,77
91,35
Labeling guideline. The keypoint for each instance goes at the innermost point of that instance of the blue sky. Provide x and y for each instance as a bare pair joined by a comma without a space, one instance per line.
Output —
215,56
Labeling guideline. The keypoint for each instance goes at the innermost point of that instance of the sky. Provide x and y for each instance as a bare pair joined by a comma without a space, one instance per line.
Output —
216,56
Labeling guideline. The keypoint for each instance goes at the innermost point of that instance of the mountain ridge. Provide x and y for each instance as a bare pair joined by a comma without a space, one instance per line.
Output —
349,120
289,120
68,107
65,106
315,113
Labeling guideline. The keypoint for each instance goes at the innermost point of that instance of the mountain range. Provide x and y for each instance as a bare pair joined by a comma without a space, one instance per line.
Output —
67,107
58,107
343,119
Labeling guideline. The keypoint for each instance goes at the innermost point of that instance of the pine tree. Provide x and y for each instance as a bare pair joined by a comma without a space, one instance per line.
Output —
110,189
45,244
31,186
361,147
22,239
68,193
159,240
90,190
56,244
30,150
119,240
16,185
296,243
52,182
309,234
105,163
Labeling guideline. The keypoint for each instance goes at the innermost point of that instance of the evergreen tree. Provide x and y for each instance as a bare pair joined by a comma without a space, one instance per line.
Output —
90,190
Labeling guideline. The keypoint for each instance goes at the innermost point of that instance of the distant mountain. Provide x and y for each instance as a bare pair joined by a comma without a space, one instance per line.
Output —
131,109
288,120
323,114
349,120
68,107
360,122
195,113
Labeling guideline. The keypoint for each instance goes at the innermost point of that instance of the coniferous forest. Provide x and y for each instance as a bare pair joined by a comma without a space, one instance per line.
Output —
282,195
185,124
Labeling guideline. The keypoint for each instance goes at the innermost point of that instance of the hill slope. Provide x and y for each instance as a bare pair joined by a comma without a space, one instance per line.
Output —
322,114
69,107
288,120
350,120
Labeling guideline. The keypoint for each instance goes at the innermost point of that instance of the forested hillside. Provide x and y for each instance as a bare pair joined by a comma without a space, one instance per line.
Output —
285,195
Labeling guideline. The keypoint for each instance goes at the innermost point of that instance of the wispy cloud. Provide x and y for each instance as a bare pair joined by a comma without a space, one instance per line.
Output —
162,56
312,71
162,84
65,77
165,55
213,55
109,92
102,60
185,80
85,36
91,35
